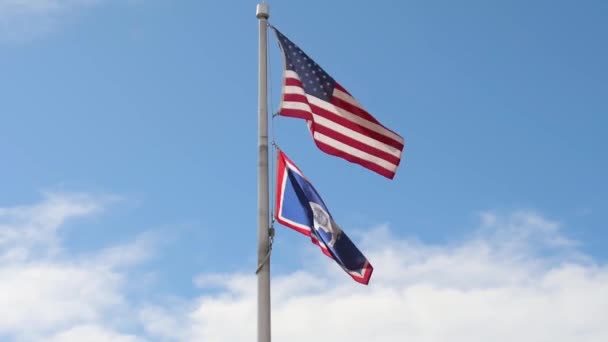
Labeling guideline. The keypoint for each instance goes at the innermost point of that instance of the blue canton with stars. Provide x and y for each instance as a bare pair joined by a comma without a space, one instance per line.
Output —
315,80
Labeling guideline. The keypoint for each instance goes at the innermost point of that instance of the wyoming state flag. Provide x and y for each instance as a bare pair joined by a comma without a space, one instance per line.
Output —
300,207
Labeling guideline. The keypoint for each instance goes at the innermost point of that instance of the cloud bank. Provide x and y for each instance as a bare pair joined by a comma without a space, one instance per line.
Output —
515,277
48,295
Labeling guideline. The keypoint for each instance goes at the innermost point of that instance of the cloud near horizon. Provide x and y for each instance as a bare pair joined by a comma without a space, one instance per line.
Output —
46,293
515,277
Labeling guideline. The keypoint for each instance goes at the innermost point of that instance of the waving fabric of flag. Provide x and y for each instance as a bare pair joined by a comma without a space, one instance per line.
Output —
299,206
339,125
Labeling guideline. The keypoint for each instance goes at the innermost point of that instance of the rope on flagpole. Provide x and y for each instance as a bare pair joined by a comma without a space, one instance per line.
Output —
275,148
265,260
273,142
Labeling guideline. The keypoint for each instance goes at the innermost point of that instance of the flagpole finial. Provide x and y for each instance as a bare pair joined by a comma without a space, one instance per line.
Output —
262,11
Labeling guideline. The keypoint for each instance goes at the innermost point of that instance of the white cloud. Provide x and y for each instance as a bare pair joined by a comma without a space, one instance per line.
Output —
494,286
517,277
92,333
27,230
43,296
43,291
25,19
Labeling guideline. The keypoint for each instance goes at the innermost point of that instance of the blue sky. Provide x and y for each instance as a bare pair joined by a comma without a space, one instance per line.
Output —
146,110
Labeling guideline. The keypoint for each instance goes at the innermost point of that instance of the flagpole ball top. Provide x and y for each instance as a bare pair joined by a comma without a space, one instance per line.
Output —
261,11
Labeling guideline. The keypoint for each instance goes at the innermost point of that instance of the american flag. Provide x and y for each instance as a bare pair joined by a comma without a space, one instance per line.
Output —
339,125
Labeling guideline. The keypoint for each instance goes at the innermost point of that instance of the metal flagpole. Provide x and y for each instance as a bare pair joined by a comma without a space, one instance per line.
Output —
263,271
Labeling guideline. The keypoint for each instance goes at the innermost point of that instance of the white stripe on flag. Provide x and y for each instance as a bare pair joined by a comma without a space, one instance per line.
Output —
353,118
354,151
297,105
345,97
356,135
291,74
294,90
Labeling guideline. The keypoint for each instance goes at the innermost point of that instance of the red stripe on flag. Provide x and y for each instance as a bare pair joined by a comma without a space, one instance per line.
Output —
340,120
341,88
356,109
367,164
356,127
295,98
293,82
355,143
296,113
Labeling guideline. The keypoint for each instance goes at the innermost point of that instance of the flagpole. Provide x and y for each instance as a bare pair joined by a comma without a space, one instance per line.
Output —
263,272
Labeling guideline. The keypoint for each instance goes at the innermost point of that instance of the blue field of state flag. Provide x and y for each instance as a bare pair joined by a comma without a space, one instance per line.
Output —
300,207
